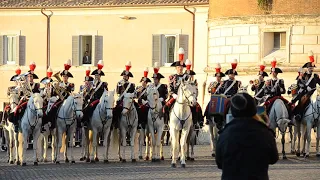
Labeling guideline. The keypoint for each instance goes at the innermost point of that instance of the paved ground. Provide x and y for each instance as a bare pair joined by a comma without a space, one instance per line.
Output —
203,168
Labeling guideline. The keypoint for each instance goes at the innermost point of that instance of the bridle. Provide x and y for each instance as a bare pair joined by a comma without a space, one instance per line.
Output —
103,106
154,115
130,109
33,112
74,109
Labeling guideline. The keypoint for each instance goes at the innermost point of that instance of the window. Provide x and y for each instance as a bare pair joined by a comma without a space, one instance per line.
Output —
274,45
279,40
86,50
165,47
12,49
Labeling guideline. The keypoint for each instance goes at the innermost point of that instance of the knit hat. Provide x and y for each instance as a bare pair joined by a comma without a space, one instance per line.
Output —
243,105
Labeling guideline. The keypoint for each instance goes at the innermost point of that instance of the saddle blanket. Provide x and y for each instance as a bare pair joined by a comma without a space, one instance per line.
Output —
217,104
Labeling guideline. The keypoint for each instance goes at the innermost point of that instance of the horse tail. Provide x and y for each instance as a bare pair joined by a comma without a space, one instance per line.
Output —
115,139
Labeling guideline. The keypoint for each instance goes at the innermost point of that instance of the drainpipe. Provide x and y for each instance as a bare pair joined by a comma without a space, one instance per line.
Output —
48,35
193,30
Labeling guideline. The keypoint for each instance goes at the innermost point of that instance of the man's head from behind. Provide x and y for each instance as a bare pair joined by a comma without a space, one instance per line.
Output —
243,105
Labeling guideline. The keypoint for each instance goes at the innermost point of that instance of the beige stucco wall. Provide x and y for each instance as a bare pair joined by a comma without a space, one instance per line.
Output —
123,40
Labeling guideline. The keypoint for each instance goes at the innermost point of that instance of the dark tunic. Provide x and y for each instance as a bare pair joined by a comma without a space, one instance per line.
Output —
232,91
279,88
98,93
163,91
174,83
257,89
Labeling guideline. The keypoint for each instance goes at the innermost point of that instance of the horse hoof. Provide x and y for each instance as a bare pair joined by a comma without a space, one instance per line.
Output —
192,159
183,165
178,158
134,160
285,157
188,158
66,161
162,158
140,157
105,161
96,159
147,158
306,156
11,162
24,164
35,163
153,160
87,160
73,162
298,154
57,162
45,160
173,165
82,159
123,160
170,157
318,155
93,161
292,152
18,163
120,159
38,160
213,155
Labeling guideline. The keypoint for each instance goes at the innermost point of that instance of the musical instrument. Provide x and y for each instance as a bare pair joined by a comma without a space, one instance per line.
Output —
57,88
293,89
255,82
217,104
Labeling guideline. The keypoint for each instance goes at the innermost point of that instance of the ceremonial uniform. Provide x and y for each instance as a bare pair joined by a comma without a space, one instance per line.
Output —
259,88
95,93
123,86
307,86
214,89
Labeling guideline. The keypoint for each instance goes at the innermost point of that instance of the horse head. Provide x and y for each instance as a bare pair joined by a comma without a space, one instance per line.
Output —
36,102
107,102
153,98
127,102
75,100
13,100
243,89
187,93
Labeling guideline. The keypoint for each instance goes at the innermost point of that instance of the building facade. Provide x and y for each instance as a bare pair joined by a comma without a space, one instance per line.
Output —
255,31
113,31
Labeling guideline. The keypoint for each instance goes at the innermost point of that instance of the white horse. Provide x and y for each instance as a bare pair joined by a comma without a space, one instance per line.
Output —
181,120
31,124
10,135
69,112
279,117
128,122
155,123
43,140
101,122
308,121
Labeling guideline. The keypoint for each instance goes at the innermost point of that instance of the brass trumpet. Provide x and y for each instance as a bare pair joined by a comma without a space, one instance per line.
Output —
59,90
255,82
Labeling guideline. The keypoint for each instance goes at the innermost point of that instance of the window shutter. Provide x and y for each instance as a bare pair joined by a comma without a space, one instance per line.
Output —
98,54
75,50
184,43
2,45
21,52
156,48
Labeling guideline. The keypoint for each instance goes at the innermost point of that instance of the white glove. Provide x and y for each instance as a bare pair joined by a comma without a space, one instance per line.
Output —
161,99
273,90
144,102
174,96
281,89
309,88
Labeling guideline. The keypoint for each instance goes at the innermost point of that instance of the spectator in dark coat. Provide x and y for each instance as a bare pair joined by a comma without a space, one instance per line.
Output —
246,146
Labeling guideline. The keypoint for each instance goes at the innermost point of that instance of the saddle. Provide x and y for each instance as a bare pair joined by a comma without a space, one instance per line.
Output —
268,104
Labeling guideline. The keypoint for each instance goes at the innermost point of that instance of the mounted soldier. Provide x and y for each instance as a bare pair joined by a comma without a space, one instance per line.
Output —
142,104
86,88
62,89
307,86
196,110
95,94
258,85
274,87
27,87
123,86
162,88
230,87
294,88
214,88
175,81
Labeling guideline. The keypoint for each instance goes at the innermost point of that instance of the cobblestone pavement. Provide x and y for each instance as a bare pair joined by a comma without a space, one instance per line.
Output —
203,167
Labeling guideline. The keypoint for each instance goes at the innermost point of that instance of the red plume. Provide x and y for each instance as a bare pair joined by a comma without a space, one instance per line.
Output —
311,57
67,65
18,71
128,65
218,70
156,70
262,67
274,63
100,64
49,74
145,74
87,72
181,54
32,66
234,64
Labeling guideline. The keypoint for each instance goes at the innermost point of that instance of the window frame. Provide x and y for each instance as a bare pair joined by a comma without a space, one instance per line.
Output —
15,38
164,61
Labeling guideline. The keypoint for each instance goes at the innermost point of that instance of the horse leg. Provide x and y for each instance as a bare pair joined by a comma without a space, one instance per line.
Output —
106,144
133,134
293,141
147,150
158,143
94,144
183,141
304,131
53,146
291,134
298,132
124,143
70,136
59,142
36,135
10,138
308,135
174,138
153,144
317,140
283,141
40,149
16,145
45,147
161,144
141,141
25,146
